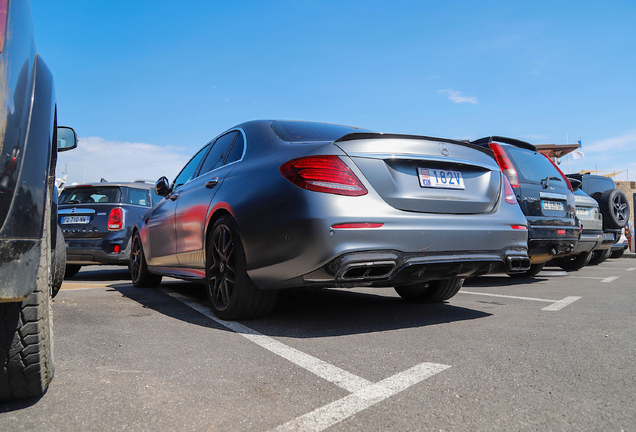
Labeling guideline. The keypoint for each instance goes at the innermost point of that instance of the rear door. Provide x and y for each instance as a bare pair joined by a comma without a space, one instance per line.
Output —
427,175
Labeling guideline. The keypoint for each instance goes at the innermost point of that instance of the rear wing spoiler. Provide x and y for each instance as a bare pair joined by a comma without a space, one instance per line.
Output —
511,141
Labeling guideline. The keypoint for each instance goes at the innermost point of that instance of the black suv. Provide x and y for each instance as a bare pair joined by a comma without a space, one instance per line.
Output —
614,207
545,196
97,221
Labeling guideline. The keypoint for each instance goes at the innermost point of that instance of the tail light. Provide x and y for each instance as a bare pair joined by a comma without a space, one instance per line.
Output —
567,182
509,194
323,174
505,164
116,219
4,11
519,227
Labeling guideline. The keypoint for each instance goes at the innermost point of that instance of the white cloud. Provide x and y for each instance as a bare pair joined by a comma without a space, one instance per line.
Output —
96,158
625,140
456,96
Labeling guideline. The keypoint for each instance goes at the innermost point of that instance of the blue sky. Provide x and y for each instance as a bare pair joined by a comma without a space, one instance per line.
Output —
147,83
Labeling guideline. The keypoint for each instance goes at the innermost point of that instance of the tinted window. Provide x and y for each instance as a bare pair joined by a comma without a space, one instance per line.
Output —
188,171
533,166
89,195
219,151
237,150
139,197
304,131
596,184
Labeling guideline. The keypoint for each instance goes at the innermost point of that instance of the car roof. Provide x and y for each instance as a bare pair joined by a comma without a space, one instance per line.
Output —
139,184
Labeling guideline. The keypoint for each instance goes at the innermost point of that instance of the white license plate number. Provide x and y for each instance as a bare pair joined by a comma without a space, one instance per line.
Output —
582,211
552,205
75,220
436,178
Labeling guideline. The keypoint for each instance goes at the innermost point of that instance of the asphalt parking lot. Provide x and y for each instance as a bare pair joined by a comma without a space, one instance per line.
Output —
554,353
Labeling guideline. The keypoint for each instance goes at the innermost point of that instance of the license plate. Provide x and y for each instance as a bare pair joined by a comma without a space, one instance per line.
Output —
75,220
582,211
437,178
552,205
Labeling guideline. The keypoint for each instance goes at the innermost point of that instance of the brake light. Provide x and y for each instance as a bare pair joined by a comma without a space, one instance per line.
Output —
567,182
4,11
509,194
116,219
358,225
505,164
326,174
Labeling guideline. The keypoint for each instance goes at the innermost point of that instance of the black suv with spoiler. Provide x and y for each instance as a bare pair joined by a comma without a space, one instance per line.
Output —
545,196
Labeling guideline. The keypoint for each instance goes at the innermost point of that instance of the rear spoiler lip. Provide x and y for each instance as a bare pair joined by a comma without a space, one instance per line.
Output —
505,140
377,135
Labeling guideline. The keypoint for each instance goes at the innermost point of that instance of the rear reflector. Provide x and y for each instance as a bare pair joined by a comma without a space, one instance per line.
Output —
519,227
116,219
326,174
358,225
4,9
116,249
561,232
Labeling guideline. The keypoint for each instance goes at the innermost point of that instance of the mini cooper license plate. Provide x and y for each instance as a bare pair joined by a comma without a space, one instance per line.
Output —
75,220
552,205
437,178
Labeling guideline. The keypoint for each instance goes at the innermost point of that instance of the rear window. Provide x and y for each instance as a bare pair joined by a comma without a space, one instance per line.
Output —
90,195
533,167
307,131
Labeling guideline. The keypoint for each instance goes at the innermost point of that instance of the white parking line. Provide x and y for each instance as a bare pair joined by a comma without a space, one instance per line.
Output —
604,280
364,392
555,306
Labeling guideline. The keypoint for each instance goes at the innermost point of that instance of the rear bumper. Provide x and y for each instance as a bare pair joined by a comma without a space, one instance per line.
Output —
85,251
588,242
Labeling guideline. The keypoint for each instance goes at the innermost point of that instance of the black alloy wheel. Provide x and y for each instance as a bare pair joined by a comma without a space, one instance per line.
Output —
139,273
232,293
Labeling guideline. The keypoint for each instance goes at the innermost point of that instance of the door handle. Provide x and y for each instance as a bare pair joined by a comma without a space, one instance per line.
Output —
211,183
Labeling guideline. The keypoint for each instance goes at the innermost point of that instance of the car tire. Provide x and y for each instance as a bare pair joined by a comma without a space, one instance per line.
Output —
139,273
573,262
598,256
26,335
231,292
71,270
530,273
617,254
615,208
58,263
430,292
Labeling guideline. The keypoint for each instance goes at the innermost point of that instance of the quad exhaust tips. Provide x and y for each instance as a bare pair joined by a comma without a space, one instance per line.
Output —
517,264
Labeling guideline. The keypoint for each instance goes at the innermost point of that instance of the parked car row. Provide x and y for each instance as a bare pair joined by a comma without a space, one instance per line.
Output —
270,205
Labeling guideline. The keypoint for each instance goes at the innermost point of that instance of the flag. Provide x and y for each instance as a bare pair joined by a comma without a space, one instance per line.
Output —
578,154
580,145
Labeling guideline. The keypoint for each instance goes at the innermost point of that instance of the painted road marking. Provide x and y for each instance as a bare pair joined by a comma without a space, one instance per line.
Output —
555,306
604,280
364,393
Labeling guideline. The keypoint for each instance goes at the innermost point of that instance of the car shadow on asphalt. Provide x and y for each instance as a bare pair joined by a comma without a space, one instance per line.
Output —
311,313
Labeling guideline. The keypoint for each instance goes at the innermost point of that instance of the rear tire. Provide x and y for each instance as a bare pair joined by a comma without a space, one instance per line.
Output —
26,333
598,256
139,273
530,273
71,270
58,263
232,293
430,292
573,262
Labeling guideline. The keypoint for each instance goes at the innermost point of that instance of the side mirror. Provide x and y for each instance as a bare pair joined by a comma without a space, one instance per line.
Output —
162,187
576,184
66,138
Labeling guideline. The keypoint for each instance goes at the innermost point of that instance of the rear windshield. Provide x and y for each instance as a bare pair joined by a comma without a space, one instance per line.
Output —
307,131
533,167
89,195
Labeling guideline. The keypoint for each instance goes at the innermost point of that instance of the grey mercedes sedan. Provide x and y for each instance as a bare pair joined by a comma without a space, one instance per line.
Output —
269,205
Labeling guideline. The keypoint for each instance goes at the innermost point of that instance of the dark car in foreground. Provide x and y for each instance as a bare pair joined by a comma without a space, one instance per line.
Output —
97,219
614,207
269,205
545,196
29,142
